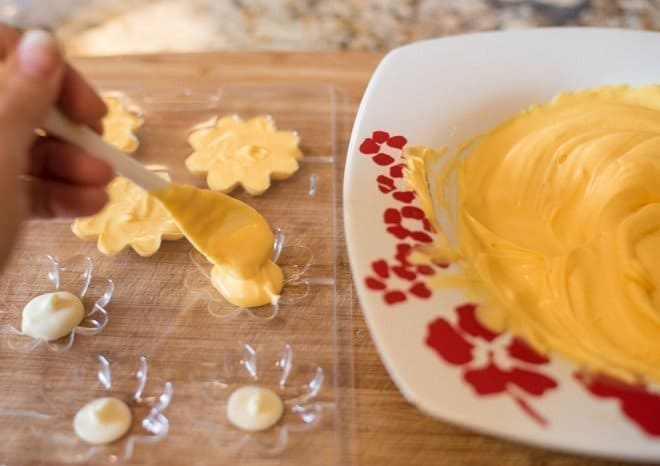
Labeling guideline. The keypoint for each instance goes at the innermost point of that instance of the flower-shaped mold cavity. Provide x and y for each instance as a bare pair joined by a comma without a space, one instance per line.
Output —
294,260
125,379
121,122
298,387
232,152
45,274
130,218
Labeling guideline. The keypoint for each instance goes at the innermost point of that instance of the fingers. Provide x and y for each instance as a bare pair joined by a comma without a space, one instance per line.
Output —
69,183
30,84
9,37
34,78
77,99
60,161
50,199
80,102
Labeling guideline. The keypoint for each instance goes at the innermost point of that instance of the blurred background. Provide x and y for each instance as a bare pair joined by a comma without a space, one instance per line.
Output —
106,27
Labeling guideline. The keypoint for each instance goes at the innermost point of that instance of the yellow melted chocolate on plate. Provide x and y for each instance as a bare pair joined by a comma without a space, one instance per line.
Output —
558,226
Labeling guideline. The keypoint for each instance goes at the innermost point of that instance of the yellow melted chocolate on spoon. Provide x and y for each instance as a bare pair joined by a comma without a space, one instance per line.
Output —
233,236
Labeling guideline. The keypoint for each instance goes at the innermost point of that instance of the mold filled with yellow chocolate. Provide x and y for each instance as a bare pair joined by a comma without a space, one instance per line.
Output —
130,218
120,124
558,226
232,152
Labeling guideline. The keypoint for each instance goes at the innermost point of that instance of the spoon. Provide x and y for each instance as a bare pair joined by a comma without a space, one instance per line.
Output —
86,139
228,232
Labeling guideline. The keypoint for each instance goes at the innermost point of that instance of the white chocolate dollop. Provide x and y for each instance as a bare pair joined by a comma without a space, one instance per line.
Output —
102,420
52,315
254,408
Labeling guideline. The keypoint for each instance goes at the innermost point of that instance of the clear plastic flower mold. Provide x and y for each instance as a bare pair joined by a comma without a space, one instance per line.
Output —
120,379
45,274
299,389
294,260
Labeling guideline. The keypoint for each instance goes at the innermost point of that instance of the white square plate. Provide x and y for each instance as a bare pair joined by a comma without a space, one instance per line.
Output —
441,92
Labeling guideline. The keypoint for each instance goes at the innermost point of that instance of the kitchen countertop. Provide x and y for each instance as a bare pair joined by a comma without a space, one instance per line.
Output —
103,27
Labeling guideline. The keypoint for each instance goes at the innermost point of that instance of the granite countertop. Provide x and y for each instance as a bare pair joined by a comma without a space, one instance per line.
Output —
97,27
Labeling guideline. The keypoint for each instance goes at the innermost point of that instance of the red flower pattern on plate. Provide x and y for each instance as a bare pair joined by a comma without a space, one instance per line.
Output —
507,366
462,343
385,276
399,223
385,150
636,402
398,279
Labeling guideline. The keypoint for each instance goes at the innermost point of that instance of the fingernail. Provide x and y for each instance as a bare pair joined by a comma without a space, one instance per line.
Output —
38,53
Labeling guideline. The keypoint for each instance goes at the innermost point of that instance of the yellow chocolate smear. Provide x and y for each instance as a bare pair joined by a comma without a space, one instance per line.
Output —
416,176
119,124
558,221
260,289
249,153
233,236
130,218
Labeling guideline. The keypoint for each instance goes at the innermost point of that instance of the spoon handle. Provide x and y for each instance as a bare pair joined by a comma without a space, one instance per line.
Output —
86,139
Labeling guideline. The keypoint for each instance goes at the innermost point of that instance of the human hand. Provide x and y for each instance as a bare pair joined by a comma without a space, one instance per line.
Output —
62,179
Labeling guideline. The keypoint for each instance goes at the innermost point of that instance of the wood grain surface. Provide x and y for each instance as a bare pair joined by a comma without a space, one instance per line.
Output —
379,427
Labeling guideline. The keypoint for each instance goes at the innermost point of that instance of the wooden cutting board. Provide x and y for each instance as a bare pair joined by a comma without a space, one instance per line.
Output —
379,427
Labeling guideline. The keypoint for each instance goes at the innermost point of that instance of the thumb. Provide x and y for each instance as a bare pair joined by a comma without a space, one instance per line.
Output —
30,83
